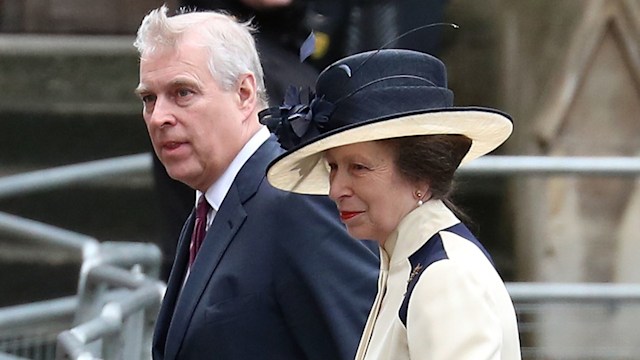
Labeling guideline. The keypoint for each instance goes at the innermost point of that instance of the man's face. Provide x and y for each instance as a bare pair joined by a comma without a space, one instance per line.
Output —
196,127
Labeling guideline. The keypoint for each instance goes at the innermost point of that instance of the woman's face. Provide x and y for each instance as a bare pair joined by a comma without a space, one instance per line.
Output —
366,186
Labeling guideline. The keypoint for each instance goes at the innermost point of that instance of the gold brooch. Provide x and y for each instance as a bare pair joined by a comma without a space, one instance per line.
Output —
416,270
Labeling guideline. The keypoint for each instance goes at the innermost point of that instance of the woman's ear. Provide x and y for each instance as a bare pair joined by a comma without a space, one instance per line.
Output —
423,192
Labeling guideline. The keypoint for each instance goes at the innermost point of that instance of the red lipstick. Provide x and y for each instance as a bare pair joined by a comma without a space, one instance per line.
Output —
346,215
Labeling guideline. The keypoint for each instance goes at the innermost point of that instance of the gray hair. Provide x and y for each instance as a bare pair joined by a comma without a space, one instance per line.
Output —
231,46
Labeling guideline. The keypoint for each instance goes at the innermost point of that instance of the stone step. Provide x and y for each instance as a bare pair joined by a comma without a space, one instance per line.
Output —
68,100
48,74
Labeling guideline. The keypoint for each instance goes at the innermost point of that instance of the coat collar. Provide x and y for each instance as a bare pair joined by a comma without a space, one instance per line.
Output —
227,222
417,228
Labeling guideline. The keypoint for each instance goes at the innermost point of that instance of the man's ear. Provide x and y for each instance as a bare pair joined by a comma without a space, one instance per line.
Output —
247,93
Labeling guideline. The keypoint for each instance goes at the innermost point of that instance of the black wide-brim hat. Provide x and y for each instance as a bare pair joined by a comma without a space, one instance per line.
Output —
369,96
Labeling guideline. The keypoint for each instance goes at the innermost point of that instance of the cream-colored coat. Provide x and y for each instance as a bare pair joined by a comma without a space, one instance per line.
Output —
459,308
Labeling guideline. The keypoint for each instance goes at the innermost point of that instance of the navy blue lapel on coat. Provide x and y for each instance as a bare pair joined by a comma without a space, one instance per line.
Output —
227,221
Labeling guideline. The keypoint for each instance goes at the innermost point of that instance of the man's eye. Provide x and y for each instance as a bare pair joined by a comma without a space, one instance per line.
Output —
184,92
147,98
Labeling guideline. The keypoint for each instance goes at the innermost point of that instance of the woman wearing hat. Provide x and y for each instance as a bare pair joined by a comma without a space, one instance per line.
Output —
381,137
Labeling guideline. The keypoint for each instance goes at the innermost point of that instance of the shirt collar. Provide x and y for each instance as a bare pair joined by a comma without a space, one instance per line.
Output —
216,192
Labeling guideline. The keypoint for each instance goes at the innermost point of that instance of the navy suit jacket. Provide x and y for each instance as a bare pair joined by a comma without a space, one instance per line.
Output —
277,277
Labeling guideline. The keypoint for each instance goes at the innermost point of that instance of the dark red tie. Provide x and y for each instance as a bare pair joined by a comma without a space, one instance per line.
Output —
199,229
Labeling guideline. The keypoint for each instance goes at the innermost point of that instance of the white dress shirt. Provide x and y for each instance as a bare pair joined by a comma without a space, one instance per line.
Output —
216,193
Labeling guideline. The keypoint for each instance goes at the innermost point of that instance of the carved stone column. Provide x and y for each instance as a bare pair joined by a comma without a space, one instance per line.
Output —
572,82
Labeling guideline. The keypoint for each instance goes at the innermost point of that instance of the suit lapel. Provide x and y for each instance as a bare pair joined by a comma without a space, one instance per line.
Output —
174,285
225,225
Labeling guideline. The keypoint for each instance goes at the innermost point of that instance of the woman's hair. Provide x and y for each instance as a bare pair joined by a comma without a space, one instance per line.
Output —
431,160
231,46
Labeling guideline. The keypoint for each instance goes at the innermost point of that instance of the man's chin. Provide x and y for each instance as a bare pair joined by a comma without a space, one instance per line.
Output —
178,174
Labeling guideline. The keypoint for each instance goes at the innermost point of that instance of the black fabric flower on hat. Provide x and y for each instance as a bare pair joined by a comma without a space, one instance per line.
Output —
303,116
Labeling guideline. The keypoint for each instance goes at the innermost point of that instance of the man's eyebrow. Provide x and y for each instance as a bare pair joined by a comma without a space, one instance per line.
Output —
178,82
175,83
140,89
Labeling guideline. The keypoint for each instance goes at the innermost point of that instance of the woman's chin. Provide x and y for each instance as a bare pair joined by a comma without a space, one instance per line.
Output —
359,233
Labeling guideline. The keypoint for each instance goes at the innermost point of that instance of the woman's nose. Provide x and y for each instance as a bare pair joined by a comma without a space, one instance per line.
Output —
338,186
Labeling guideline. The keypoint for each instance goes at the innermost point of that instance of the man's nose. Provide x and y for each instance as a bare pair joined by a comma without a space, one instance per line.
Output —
162,113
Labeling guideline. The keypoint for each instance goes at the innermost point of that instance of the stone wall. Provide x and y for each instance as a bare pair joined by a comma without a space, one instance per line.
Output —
75,16
572,81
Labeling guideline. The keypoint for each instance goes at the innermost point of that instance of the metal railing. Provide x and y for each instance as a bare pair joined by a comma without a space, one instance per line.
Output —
594,310
553,165
596,313
100,325
118,294
124,325
64,176
573,292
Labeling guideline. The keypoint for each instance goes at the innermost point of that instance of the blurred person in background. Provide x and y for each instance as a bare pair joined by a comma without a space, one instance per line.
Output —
281,29
259,273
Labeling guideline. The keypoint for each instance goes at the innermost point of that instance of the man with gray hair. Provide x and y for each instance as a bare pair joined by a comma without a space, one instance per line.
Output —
259,273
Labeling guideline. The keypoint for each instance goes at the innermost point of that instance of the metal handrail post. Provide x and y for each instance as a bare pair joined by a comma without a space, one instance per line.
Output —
112,319
122,254
132,336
